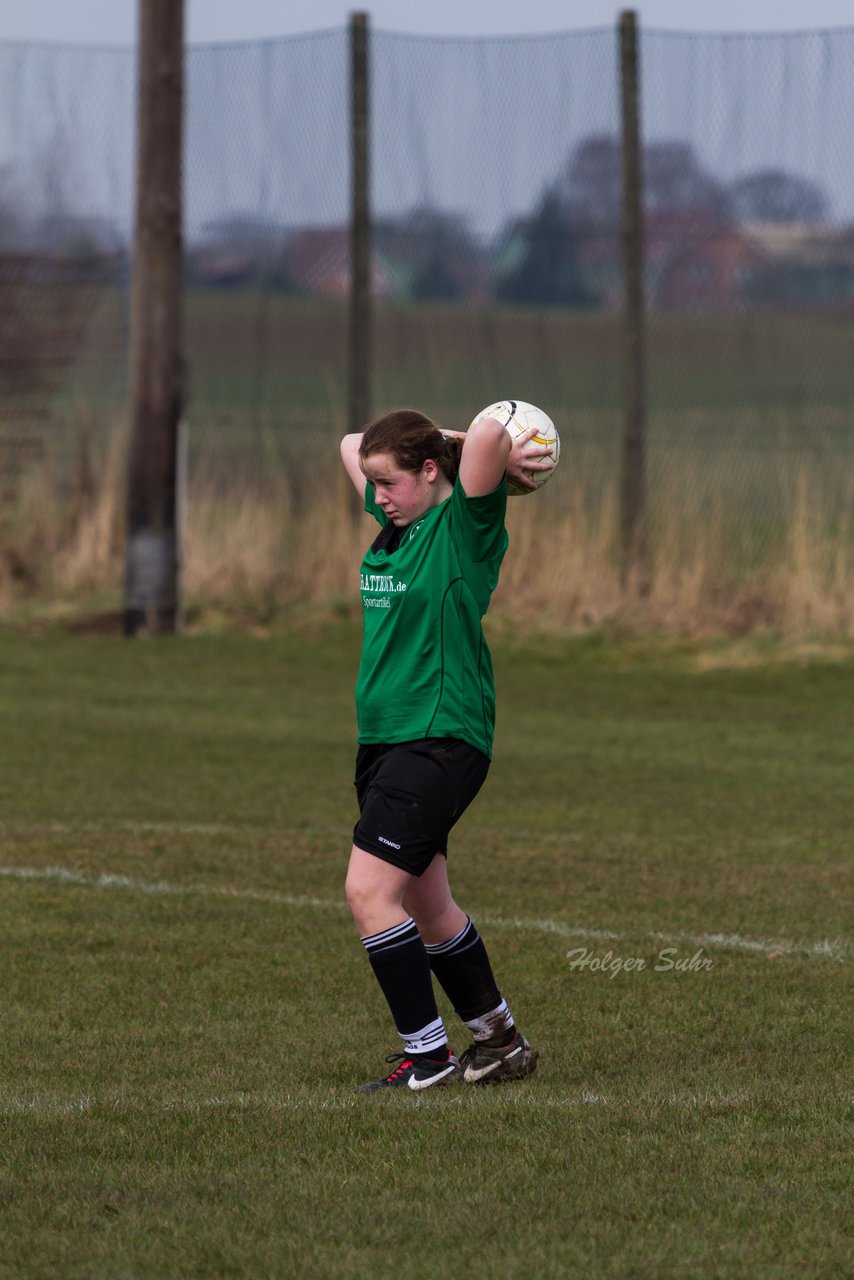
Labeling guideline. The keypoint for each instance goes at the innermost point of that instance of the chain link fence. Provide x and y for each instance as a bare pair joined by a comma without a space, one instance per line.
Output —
495,254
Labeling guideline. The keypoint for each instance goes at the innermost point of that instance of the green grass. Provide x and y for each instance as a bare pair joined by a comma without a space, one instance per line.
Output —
285,359
181,1041
767,382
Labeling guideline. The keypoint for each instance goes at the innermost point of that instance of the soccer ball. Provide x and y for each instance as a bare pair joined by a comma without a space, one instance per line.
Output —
518,417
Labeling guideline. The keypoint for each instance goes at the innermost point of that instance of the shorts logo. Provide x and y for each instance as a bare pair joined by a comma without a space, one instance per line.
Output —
383,840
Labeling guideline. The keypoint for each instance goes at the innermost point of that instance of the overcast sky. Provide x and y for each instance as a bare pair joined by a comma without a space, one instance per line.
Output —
114,21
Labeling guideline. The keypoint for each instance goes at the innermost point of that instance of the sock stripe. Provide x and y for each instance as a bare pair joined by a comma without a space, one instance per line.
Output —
397,936
457,951
425,1039
445,948
390,932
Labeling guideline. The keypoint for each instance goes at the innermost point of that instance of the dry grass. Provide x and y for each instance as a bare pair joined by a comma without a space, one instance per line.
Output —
255,549
564,567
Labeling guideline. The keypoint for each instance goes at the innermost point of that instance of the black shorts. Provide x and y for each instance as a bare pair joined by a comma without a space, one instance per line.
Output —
411,794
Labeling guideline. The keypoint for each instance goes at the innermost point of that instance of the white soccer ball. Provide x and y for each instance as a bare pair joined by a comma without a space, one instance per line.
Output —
517,417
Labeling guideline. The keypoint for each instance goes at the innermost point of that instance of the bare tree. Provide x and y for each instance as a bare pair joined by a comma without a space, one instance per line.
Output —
673,180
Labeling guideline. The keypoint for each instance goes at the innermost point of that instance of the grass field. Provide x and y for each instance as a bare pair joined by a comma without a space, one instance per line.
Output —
246,349
254,359
187,1009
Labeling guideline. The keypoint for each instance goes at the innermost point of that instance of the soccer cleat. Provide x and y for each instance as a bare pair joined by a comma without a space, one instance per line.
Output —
484,1064
417,1072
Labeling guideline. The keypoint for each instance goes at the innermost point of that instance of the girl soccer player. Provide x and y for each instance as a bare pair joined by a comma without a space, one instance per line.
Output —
426,708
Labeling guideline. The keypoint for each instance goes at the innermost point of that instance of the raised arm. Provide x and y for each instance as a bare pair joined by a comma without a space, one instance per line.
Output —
486,448
350,458
488,452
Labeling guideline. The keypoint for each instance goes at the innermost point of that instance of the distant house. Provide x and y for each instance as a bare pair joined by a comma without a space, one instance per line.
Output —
235,251
758,264
696,261
670,237
804,266
600,262
432,256
218,269
717,273
317,261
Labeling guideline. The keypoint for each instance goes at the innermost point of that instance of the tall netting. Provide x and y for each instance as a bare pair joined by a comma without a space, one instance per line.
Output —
66,173
488,281
268,247
496,260
492,283
749,209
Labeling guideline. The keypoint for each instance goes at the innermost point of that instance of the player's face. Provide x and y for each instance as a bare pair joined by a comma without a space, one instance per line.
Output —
402,495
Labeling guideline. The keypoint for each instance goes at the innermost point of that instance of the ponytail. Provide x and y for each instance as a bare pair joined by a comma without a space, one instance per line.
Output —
450,461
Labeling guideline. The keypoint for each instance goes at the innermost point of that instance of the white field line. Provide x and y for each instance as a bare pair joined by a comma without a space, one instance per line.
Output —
825,949
463,1096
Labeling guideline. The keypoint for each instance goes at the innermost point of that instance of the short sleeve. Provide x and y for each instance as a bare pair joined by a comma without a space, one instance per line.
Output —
371,505
477,524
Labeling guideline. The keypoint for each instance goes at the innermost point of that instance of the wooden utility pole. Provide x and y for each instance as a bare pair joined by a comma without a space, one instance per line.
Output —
633,460
360,228
152,589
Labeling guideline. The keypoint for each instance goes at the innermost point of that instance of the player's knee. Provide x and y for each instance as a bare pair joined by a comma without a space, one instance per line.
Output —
354,892
365,896
423,915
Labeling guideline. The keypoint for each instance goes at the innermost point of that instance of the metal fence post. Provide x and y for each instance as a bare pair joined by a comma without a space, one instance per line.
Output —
151,597
360,229
633,460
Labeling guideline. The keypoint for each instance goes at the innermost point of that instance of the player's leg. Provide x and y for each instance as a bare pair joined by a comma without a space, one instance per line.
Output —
429,901
375,892
460,963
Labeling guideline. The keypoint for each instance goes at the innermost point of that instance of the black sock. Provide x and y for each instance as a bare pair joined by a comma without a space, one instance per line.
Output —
402,969
462,967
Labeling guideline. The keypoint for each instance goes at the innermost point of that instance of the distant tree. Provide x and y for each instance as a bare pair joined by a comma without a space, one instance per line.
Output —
436,280
547,271
432,250
772,195
593,184
673,180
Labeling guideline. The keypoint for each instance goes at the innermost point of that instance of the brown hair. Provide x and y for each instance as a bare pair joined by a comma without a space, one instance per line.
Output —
411,438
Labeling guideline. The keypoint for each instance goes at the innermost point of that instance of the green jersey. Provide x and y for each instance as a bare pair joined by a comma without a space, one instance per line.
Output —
426,670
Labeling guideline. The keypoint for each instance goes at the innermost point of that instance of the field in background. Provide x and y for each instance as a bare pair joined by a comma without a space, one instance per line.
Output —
263,363
187,1008
750,463
766,359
